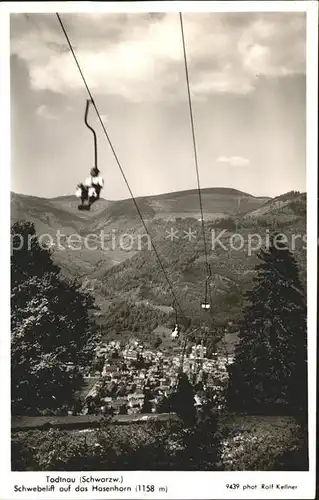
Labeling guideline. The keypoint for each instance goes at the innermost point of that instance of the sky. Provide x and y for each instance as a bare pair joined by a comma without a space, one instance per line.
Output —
248,89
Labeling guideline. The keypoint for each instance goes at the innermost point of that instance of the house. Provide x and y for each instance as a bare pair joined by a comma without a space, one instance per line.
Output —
139,394
107,399
176,361
189,364
69,366
165,388
198,351
131,396
136,403
107,370
176,349
148,354
116,407
131,356
119,404
133,410
121,400
136,400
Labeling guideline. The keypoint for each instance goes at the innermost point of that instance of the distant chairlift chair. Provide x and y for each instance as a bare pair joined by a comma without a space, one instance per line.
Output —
175,332
89,191
206,305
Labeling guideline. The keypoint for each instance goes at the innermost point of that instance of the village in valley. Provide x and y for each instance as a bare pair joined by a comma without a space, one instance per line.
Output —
133,377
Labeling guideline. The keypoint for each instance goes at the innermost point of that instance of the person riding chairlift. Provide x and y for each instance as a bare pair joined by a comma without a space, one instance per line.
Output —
175,332
90,190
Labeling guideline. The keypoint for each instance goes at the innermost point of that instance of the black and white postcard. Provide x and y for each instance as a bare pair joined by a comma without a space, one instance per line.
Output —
158,273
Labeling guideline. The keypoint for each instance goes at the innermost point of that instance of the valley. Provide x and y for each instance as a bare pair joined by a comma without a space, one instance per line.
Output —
113,257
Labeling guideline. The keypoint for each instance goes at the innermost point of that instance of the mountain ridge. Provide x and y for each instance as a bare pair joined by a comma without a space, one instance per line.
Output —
132,275
210,190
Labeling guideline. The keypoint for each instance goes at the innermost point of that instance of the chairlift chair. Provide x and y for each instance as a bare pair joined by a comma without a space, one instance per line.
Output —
206,304
83,192
176,330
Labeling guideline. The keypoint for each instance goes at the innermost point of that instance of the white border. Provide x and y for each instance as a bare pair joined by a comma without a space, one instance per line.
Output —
163,6
180,484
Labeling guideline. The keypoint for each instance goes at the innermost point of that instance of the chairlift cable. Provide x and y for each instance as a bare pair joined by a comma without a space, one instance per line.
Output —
194,138
118,162
208,268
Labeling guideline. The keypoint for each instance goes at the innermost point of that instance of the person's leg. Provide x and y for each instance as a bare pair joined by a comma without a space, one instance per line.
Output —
92,195
97,190
79,192
92,199
84,194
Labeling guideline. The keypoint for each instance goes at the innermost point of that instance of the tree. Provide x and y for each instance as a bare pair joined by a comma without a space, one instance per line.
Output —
157,342
98,364
164,405
201,448
269,373
48,450
52,337
182,401
28,256
147,405
123,409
